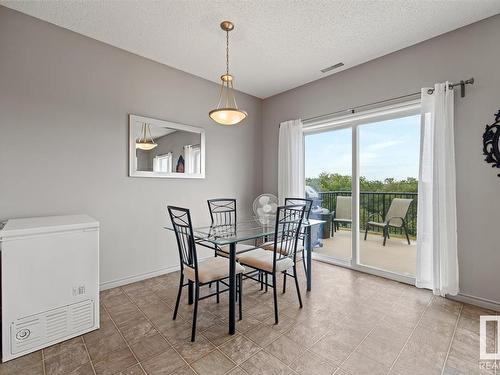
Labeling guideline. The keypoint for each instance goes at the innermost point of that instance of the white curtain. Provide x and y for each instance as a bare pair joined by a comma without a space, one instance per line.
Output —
290,160
437,260
163,163
192,159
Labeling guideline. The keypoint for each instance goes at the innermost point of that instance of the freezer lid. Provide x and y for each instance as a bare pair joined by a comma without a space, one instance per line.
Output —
47,224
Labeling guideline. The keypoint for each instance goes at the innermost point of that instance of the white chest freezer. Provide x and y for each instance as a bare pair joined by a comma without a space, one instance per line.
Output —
49,281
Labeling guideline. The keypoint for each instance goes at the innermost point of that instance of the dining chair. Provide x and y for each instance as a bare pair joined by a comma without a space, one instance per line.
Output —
223,213
394,218
198,273
301,246
283,257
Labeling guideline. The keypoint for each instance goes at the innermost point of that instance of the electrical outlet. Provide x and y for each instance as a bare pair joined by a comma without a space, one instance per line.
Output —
79,290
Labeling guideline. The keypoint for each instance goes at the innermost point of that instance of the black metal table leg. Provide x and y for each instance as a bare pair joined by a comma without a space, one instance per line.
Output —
232,288
308,247
190,292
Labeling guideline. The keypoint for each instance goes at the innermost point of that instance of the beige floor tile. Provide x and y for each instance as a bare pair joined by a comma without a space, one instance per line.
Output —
239,349
114,300
382,349
191,351
123,313
333,348
418,360
440,321
103,341
85,369
285,349
214,363
306,333
66,357
62,347
310,363
264,363
260,311
165,363
113,296
114,362
173,330
262,335
156,310
361,364
185,370
30,364
218,334
136,329
237,371
465,345
149,347
246,324
362,325
134,370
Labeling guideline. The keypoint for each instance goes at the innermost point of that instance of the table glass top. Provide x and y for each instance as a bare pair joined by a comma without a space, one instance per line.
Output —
243,230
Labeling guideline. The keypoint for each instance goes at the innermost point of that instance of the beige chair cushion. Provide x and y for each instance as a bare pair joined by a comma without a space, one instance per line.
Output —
211,269
224,249
263,259
270,247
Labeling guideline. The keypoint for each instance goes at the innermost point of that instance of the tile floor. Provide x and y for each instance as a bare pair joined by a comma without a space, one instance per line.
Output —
351,324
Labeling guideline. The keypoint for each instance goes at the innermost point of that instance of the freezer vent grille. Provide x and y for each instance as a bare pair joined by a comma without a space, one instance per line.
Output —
36,330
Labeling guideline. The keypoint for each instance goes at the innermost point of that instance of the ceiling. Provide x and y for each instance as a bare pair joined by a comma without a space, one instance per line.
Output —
276,45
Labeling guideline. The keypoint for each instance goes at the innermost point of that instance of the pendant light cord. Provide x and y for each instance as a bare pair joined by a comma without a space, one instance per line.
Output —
227,51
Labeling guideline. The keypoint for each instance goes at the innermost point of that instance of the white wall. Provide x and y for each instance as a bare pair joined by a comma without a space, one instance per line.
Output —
64,102
468,52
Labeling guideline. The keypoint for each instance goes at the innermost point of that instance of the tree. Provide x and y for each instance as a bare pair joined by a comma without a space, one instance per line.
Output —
337,182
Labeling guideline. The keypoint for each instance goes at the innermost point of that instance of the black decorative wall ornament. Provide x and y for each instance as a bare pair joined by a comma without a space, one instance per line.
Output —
491,142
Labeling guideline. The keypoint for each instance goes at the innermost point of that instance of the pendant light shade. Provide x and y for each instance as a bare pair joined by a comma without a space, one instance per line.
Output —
145,141
227,111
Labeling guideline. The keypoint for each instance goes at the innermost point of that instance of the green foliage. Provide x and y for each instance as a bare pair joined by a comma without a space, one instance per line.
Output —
336,182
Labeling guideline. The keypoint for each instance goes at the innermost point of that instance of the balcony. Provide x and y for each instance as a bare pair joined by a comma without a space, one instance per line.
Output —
396,256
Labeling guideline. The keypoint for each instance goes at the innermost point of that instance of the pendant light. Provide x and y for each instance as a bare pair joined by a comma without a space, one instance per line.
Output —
227,112
144,142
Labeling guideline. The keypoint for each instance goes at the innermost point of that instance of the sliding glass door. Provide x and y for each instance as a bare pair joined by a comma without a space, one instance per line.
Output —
328,171
362,173
388,181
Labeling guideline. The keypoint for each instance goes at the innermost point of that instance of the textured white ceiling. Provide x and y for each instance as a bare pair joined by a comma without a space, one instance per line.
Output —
276,44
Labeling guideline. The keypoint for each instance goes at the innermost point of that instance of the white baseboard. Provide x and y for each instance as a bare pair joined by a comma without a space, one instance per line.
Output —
139,277
476,301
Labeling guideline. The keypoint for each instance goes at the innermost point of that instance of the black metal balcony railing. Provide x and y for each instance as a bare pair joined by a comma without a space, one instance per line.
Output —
376,203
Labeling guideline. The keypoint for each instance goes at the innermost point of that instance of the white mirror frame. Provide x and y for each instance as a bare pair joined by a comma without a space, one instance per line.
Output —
132,161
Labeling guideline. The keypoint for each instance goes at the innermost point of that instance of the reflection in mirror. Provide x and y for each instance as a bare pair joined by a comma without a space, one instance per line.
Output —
173,150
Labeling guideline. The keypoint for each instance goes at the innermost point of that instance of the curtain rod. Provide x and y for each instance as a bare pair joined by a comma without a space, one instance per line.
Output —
451,86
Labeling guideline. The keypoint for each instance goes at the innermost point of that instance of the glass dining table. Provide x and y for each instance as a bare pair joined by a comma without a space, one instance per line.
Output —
246,230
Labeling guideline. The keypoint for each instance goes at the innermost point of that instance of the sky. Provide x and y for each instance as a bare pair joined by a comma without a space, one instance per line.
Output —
387,149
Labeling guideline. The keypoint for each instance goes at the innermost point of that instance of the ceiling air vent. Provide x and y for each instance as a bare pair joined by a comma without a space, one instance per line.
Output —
325,70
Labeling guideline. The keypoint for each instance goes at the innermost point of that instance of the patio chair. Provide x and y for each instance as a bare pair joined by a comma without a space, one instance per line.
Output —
342,213
395,218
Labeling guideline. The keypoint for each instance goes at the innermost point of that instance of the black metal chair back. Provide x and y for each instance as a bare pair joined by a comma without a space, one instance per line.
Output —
287,228
183,228
222,211
298,201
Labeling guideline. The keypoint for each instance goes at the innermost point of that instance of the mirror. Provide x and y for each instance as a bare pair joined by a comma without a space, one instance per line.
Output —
165,149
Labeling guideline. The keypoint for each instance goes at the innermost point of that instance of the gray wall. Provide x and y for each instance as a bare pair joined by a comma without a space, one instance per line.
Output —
470,51
66,99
